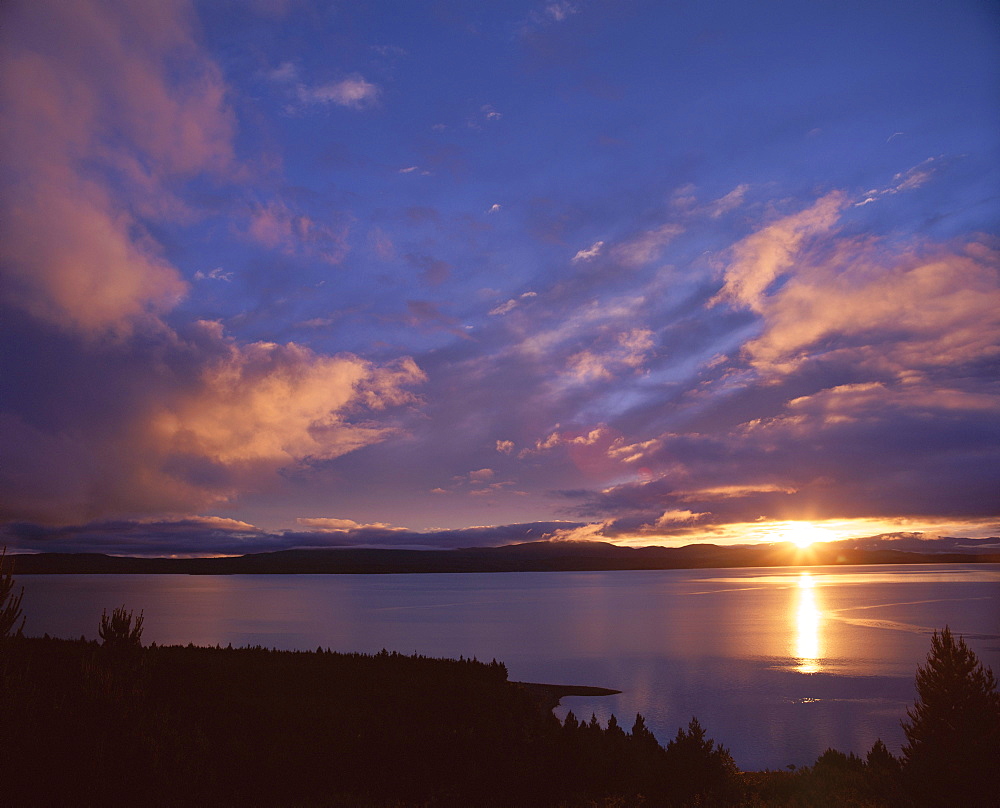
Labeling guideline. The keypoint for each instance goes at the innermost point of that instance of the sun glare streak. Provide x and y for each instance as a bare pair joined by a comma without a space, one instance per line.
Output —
808,618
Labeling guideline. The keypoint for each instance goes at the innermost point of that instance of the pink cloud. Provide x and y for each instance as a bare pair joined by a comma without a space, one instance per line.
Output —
93,102
646,246
761,258
630,350
277,227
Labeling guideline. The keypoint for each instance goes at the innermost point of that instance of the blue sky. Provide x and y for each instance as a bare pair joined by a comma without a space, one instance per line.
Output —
284,273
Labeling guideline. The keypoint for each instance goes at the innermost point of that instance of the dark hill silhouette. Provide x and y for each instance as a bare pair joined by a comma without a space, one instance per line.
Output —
539,556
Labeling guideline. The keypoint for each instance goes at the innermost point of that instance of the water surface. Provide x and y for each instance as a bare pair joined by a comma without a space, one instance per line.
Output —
777,663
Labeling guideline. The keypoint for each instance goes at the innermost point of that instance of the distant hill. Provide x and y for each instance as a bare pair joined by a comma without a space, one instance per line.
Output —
538,556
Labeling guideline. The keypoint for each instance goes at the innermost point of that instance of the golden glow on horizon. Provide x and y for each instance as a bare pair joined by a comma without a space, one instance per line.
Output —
771,531
802,534
808,619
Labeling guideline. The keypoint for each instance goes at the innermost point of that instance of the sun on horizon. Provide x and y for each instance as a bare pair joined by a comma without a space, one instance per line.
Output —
803,534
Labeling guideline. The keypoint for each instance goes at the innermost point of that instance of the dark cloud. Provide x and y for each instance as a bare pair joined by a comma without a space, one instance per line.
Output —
217,536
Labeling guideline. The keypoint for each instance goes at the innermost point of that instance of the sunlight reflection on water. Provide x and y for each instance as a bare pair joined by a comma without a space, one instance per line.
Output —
807,622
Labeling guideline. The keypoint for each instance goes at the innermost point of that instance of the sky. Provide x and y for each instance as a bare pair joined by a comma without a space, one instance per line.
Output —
291,273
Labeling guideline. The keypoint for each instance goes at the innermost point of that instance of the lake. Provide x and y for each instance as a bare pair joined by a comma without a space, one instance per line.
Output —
778,664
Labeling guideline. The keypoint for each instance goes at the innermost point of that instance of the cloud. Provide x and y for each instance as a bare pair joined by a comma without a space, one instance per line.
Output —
278,227
217,274
433,271
593,320
630,351
761,258
353,92
570,438
560,10
674,517
505,446
866,302
731,491
327,524
503,308
510,305
427,316
729,202
381,244
100,129
190,535
180,423
551,13
284,72
590,253
201,535
277,404
907,180
871,450
646,246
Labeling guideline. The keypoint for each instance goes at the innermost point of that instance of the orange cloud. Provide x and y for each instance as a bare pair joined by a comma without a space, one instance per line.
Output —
279,404
761,258
240,414
937,308
330,525
894,309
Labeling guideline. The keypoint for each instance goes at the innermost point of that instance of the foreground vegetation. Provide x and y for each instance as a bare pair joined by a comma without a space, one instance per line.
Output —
116,723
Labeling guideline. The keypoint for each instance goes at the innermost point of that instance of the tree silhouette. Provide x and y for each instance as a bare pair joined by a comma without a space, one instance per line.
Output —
699,766
952,754
10,604
117,631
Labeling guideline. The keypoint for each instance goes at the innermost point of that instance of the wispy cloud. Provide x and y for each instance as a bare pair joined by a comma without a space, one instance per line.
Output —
729,202
551,13
645,246
761,258
589,253
353,91
277,226
217,274
907,180
629,350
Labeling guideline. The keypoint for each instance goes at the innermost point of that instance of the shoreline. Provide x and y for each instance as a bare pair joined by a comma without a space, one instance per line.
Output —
549,696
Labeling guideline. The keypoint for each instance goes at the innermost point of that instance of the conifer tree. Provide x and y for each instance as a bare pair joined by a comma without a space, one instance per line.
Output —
10,604
641,734
697,765
952,753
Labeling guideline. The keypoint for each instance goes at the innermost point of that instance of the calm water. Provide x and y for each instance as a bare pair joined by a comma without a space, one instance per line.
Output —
777,664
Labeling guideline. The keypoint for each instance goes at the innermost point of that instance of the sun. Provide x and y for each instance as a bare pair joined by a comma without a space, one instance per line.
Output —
802,534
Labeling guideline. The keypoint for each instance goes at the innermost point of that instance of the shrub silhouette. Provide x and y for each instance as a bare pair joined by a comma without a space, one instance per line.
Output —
117,631
953,733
